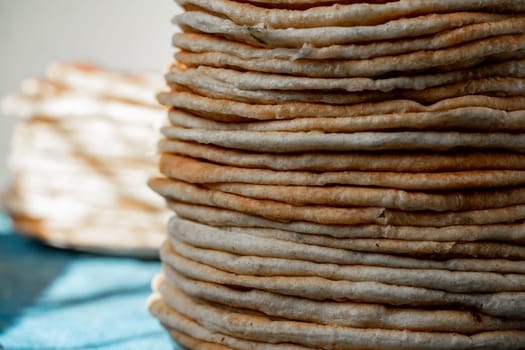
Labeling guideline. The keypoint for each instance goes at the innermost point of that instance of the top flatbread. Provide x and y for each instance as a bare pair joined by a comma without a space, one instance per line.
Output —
347,15
312,3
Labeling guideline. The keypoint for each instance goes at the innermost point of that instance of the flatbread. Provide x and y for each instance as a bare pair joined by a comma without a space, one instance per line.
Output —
321,162
92,80
429,247
195,171
347,15
464,119
191,343
415,248
183,192
360,315
332,35
208,86
55,103
463,56
265,81
288,142
111,185
495,304
73,136
261,328
293,4
191,333
242,244
452,281
227,110
406,234
349,196
199,42
234,323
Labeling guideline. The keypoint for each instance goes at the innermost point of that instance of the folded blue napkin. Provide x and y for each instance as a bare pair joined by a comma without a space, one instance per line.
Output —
55,299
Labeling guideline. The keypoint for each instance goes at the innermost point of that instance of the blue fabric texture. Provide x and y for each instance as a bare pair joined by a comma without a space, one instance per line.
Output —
55,299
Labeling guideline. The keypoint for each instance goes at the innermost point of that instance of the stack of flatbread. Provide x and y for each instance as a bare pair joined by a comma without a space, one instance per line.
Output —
345,176
82,156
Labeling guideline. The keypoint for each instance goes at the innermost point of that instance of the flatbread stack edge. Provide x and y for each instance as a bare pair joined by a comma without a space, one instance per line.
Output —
344,175
80,157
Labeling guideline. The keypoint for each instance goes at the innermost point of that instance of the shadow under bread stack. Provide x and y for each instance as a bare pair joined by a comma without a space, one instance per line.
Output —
81,157
345,176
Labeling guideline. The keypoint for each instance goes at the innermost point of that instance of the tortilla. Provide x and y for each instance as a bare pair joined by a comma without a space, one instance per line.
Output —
182,192
227,110
413,162
83,77
359,315
406,234
174,313
208,86
332,35
195,171
200,42
261,328
191,333
242,244
458,57
350,196
502,304
451,281
461,119
288,142
43,98
264,81
347,15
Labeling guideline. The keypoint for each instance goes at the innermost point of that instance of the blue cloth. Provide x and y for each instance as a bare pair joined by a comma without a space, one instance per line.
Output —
55,299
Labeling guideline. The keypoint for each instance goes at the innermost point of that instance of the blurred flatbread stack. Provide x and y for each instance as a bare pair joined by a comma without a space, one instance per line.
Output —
81,158
345,176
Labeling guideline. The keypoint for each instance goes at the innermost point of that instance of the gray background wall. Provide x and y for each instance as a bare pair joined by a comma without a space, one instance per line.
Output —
127,35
